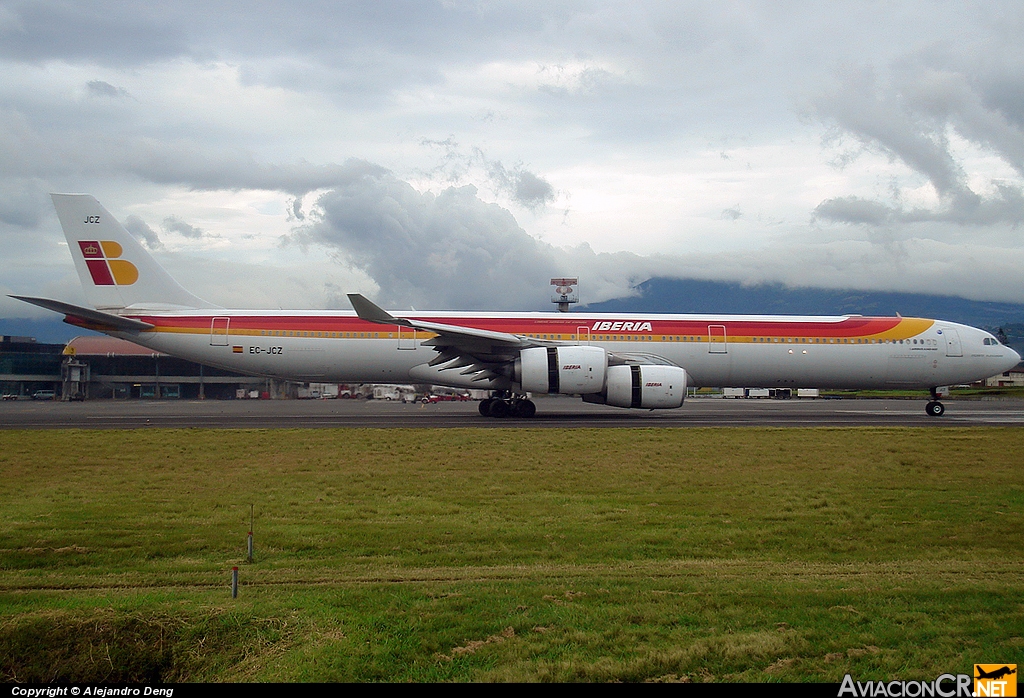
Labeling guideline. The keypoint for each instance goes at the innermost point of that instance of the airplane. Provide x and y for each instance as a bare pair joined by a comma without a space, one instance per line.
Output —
635,360
995,673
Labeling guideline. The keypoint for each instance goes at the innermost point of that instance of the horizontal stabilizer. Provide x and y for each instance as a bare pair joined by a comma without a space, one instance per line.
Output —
94,318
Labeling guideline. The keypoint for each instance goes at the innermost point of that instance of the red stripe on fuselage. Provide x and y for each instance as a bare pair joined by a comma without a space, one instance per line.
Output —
849,327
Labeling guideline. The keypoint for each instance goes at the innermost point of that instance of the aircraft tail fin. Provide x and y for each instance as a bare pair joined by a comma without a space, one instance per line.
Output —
115,270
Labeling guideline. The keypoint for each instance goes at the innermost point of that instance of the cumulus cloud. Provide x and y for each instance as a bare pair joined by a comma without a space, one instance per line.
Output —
732,213
453,250
173,224
141,230
518,184
99,88
524,187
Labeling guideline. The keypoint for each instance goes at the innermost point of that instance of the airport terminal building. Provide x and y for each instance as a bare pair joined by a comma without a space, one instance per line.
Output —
96,367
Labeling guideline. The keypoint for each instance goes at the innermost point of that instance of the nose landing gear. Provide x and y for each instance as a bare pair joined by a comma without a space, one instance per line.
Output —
934,408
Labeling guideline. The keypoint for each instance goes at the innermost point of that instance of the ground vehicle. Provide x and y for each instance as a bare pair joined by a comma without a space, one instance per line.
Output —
457,397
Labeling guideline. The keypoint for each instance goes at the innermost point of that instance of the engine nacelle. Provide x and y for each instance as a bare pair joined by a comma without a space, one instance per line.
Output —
576,370
648,387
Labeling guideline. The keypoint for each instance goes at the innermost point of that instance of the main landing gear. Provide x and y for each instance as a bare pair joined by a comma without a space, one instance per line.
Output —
935,408
505,404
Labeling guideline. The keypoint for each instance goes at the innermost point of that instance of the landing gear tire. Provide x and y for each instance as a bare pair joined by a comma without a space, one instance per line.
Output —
500,409
523,409
485,407
935,408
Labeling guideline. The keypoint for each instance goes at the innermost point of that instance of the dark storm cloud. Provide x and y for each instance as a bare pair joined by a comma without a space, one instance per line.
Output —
452,250
1005,207
235,170
363,43
852,209
881,116
100,32
22,202
911,117
446,250
363,54
26,150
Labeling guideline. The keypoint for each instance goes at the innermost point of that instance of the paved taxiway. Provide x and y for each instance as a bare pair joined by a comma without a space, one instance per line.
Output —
551,412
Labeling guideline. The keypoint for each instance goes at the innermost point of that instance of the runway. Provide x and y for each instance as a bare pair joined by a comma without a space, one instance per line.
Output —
552,412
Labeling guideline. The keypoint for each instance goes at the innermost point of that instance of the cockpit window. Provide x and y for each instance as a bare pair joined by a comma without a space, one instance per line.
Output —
991,341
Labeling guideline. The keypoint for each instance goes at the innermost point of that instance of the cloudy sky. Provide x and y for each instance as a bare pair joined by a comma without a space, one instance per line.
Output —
459,154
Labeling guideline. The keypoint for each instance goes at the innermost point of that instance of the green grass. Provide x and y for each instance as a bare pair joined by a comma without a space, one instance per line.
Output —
456,555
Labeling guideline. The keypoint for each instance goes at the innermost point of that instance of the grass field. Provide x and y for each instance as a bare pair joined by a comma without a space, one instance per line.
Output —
510,555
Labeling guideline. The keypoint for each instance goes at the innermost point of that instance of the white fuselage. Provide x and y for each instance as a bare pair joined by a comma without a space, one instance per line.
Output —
764,351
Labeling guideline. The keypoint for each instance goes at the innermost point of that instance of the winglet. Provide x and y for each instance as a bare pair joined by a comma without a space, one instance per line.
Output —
371,312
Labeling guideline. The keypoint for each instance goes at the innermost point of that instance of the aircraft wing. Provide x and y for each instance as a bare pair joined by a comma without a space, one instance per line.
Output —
93,319
484,354
369,311
637,358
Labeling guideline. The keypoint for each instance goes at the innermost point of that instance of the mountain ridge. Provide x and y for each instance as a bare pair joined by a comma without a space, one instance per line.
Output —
665,295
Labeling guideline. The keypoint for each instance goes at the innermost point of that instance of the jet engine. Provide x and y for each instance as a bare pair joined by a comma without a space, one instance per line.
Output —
572,370
644,386
584,370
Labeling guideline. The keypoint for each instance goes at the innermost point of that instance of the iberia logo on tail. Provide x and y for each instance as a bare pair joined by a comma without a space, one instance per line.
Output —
101,256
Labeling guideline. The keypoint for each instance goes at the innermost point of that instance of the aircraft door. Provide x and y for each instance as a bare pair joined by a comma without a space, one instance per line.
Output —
717,343
953,347
583,335
219,331
406,338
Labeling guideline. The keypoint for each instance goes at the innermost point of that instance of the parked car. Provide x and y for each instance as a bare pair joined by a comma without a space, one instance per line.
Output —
44,395
430,399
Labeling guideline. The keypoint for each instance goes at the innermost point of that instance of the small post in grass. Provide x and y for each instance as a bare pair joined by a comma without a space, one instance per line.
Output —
234,582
